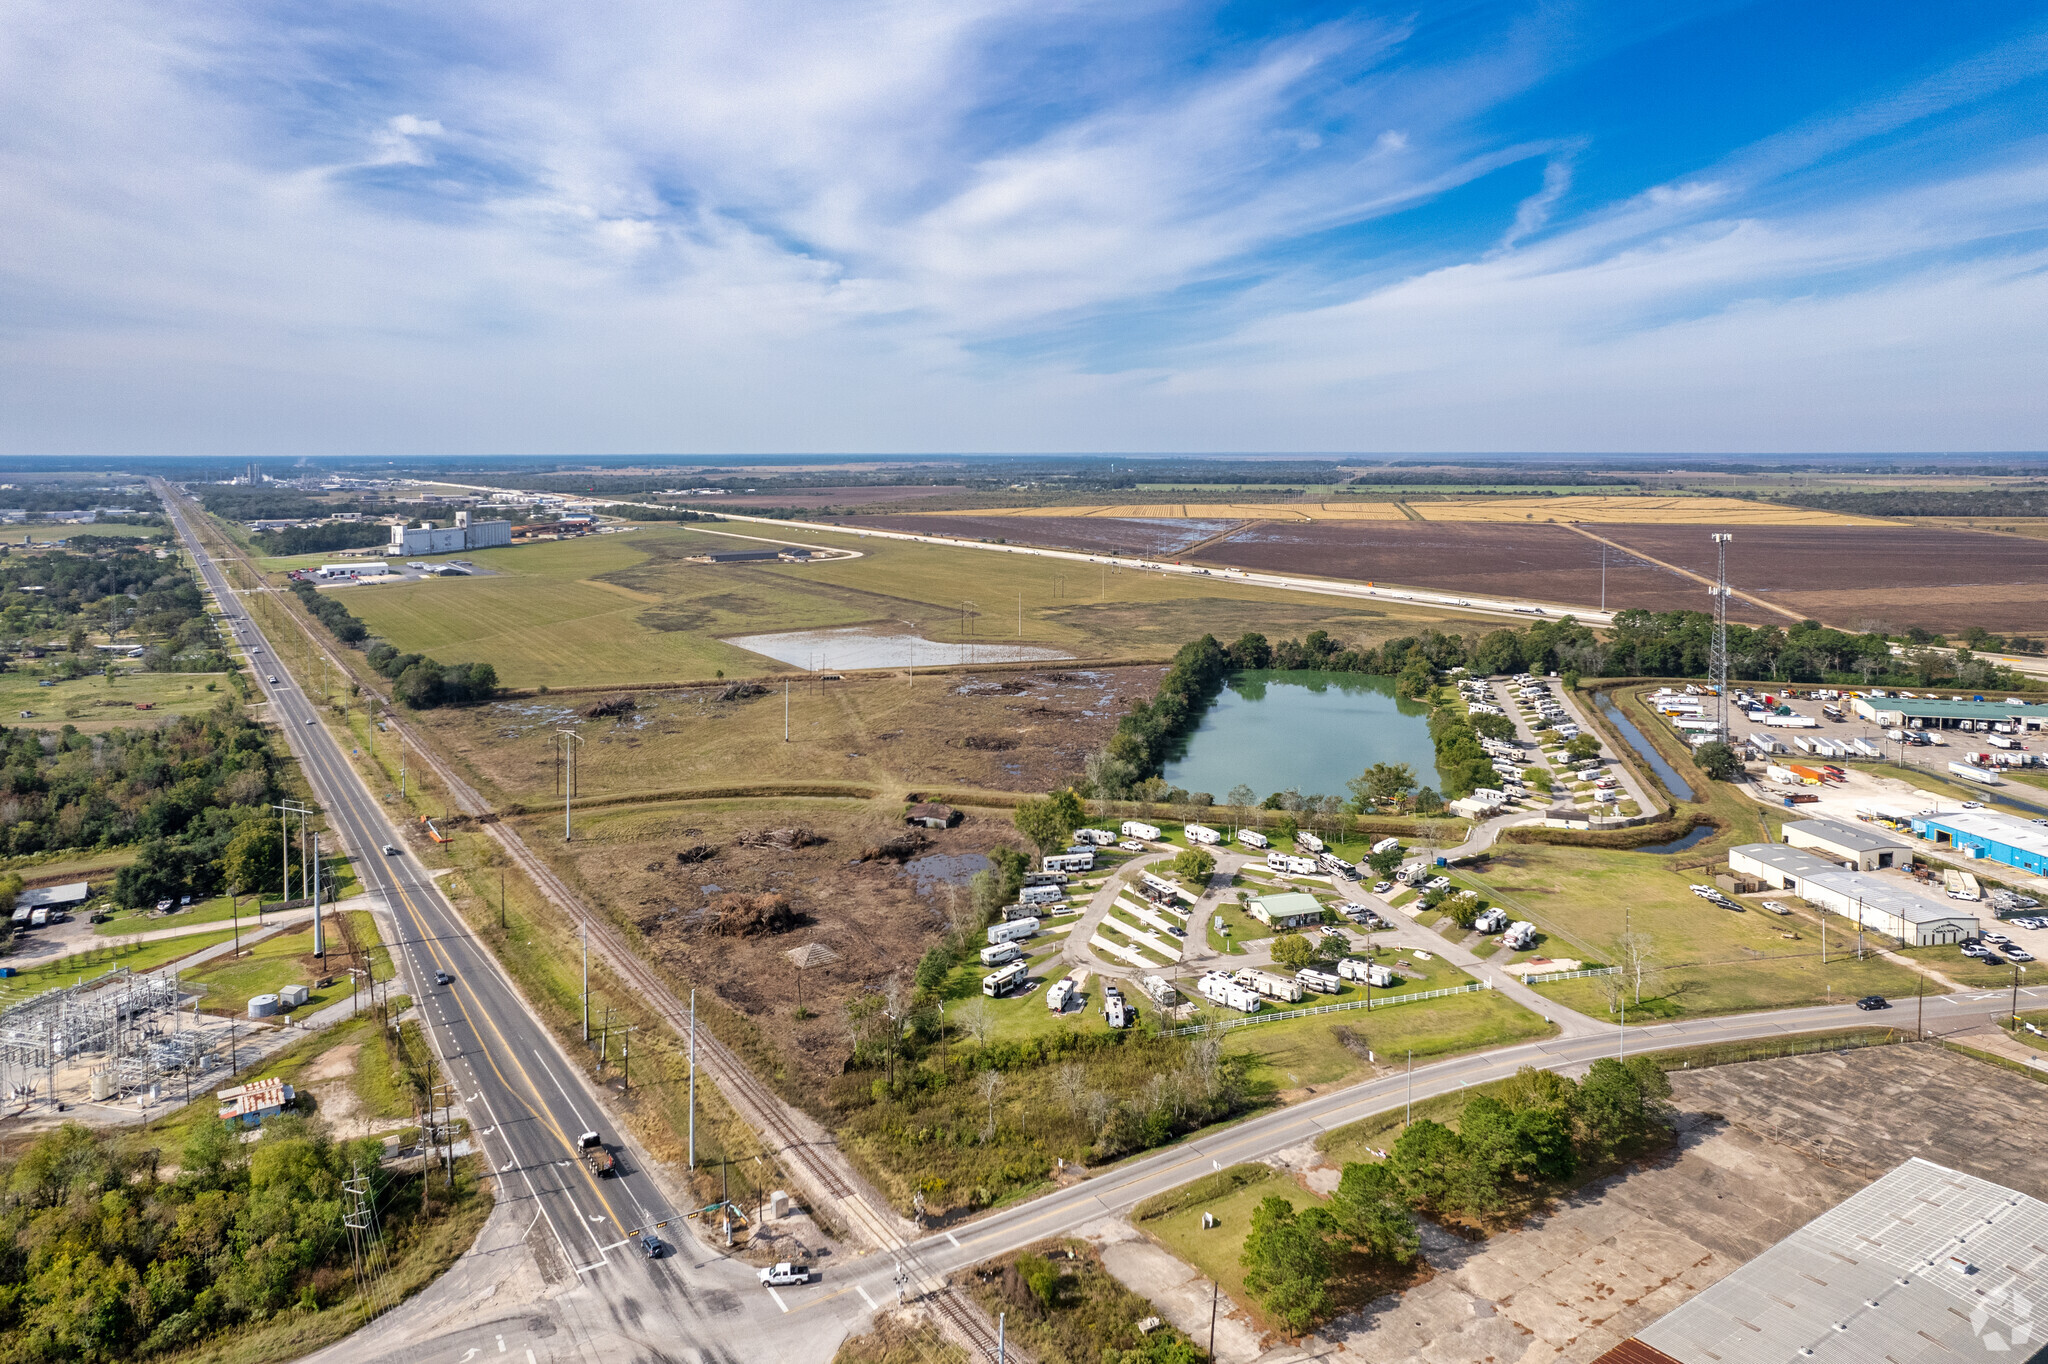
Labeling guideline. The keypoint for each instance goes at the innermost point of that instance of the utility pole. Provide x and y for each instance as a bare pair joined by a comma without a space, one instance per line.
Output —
319,927
570,739
1410,1119
785,710
2016,969
586,982
1920,1008
501,897
693,1079
1603,575
1214,1292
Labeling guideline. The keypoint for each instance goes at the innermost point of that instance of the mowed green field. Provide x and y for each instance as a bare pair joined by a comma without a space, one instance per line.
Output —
629,608
1713,960
92,703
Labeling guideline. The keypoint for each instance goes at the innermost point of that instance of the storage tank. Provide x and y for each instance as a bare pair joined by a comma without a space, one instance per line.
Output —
262,1006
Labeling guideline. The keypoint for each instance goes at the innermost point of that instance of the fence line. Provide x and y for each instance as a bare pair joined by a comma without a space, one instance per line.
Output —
1384,1001
1572,975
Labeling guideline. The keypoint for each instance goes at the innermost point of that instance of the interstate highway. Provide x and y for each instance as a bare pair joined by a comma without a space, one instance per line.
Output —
527,1100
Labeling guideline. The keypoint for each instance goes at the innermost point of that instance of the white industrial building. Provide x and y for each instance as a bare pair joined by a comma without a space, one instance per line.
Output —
1876,903
1869,849
463,535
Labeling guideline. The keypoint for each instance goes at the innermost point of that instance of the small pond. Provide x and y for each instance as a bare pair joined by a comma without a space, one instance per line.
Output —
1666,773
1312,731
857,646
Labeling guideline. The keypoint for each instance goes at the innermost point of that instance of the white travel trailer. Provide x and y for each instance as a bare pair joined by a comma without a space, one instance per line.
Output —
1101,838
1252,838
1069,862
1372,973
1202,833
1057,995
1014,931
1041,895
1005,980
999,953
1137,829
1386,845
1269,985
1520,936
1322,982
1308,842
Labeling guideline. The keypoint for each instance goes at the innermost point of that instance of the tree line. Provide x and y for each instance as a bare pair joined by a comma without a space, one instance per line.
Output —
323,538
124,592
1536,1135
420,682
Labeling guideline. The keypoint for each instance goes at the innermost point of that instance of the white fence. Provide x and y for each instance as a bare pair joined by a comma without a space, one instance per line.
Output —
1280,1015
1571,975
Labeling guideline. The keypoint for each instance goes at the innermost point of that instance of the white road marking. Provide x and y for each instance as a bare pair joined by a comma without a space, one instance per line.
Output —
865,1298
778,1299
501,1344
954,1239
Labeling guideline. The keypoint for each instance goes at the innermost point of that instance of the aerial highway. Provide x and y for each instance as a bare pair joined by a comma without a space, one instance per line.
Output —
527,1101
558,1274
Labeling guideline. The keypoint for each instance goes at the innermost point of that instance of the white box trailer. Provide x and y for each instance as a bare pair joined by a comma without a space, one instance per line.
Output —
999,953
1101,838
1058,994
1372,973
1494,920
1137,829
1218,988
1203,834
1972,772
1269,985
1160,989
1386,845
1069,862
1041,895
1322,982
1308,841
1252,838
1014,931
1520,936
1048,877
1005,980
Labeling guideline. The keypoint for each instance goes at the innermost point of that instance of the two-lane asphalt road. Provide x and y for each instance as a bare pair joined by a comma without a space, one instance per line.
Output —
527,1101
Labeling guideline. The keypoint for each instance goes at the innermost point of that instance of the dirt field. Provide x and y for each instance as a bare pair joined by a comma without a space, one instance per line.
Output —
1763,1149
1853,576
997,731
1549,563
818,498
1569,507
1347,510
878,916
1089,534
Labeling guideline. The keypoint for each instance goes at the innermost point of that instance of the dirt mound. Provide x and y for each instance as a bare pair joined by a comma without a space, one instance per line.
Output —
988,743
696,852
735,915
787,840
740,691
899,849
611,705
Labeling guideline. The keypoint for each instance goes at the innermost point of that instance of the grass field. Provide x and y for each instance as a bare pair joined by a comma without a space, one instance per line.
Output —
1309,1051
285,960
92,703
631,608
1591,507
93,961
1712,960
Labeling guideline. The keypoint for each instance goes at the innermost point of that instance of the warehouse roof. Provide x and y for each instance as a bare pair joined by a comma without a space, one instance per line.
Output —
1925,1264
1987,824
43,897
1884,896
1840,835
1786,861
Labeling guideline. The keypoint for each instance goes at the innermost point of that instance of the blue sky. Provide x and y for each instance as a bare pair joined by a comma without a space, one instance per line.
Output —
985,226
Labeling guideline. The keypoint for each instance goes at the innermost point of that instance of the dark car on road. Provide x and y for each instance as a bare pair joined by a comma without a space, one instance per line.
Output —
1873,1002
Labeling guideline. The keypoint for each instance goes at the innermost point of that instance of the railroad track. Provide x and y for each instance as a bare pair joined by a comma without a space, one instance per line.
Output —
971,1323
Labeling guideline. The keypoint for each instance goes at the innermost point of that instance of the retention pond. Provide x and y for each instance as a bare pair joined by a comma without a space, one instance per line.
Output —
1309,731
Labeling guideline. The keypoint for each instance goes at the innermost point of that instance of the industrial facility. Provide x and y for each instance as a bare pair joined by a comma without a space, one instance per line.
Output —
1933,712
1990,835
121,1026
1864,849
463,535
1925,1264
1872,901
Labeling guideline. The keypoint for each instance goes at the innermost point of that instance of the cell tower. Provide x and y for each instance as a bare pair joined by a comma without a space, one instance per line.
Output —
1717,662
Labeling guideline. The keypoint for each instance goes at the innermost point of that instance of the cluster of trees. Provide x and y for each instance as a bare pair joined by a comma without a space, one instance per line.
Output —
626,513
1050,823
418,681
1536,1133
1977,637
184,789
1992,504
1148,731
102,1259
260,502
1489,478
124,592
322,538
422,683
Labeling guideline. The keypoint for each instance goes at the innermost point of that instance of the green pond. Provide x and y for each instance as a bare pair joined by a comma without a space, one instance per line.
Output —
1312,731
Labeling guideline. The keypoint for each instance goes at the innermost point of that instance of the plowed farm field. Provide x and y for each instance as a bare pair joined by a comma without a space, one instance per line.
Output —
1153,538
1858,577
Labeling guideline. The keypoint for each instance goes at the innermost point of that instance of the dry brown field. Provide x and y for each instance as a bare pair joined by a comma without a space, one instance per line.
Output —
1858,577
1687,511
876,916
1547,563
816,498
1219,511
1012,731
1152,537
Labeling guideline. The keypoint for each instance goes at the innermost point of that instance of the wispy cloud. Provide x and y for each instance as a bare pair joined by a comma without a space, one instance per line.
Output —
979,225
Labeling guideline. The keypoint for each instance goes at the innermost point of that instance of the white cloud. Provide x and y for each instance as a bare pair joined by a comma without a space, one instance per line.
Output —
773,227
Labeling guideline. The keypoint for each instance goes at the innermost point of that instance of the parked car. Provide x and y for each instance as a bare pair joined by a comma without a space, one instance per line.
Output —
1775,907
1383,887
1869,1002
2018,954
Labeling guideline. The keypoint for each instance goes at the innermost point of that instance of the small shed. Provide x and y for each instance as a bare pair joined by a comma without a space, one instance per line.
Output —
250,1104
931,815
1291,910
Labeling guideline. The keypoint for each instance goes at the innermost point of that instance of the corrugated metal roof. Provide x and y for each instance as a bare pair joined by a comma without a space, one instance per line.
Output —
1787,861
1925,1264
1841,835
1989,825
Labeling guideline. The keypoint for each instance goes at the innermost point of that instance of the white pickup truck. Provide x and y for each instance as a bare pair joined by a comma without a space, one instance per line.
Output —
784,1274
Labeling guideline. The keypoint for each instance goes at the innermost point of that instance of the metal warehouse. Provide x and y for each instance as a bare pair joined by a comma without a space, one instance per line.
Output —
1925,1264
1867,848
1872,901
1988,834
1932,712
